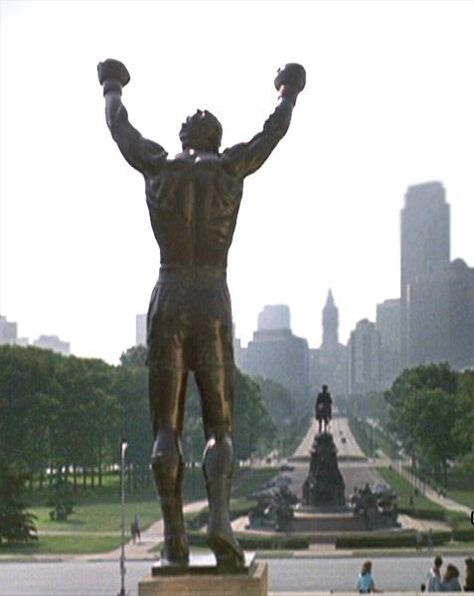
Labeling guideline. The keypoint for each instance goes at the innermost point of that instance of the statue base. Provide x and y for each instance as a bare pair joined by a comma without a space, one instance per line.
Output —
324,486
202,577
329,522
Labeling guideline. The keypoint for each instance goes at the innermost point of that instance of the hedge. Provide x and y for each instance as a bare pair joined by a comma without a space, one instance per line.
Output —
238,508
401,539
257,542
463,534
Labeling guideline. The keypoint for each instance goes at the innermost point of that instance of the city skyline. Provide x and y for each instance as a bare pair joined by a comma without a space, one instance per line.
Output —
386,106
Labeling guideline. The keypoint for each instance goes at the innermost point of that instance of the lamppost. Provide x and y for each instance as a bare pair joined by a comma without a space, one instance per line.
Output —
123,451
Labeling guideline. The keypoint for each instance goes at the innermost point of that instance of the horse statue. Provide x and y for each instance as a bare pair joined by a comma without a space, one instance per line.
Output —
323,409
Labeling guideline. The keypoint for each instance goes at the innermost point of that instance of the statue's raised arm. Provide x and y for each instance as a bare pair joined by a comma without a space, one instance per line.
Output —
144,155
245,158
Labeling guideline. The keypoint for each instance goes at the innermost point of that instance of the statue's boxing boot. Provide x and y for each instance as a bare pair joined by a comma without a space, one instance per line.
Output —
168,468
175,549
220,537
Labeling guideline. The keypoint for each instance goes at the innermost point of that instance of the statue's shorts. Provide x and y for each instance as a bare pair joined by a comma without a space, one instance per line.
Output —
189,324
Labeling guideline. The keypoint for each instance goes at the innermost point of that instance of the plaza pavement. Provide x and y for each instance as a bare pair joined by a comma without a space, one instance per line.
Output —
288,576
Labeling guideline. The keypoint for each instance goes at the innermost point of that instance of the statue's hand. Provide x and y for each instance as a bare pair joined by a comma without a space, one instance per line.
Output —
290,80
112,74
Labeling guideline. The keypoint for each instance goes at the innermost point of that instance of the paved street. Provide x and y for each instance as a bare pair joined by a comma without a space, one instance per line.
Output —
354,467
293,576
343,438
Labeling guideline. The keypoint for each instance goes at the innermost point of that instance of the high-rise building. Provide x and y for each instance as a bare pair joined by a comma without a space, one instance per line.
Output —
330,322
425,244
329,362
52,342
388,325
275,353
274,317
441,317
364,358
9,333
140,330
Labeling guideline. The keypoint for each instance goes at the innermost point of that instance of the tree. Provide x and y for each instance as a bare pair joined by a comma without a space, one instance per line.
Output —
29,395
278,401
254,428
432,376
464,425
61,500
424,412
134,356
427,416
16,524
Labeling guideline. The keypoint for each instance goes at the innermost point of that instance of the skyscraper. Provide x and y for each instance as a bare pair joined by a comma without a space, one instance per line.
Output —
330,324
388,325
329,362
275,353
9,333
425,244
52,342
441,317
140,330
364,358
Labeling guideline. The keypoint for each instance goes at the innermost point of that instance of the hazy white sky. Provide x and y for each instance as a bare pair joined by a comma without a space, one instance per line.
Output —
389,102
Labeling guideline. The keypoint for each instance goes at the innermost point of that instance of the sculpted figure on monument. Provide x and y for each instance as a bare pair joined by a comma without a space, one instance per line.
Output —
323,409
193,202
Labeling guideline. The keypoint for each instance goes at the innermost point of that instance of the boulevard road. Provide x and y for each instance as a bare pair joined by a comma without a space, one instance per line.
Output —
81,578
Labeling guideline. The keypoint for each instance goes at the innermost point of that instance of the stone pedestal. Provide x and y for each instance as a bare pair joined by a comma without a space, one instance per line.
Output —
324,485
314,521
202,578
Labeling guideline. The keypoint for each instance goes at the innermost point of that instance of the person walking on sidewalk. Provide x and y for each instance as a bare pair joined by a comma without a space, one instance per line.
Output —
450,581
365,582
469,582
434,576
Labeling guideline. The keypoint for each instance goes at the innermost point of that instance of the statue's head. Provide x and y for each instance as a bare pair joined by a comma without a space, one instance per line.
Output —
202,132
325,387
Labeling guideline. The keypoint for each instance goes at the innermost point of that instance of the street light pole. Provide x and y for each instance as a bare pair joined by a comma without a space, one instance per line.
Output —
123,450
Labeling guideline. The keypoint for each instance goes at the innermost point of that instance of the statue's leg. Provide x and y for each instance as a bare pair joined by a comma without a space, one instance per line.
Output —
216,387
167,389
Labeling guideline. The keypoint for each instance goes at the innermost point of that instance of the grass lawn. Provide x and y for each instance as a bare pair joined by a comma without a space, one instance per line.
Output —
68,544
247,481
405,490
99,517
461,487
98,510
465,497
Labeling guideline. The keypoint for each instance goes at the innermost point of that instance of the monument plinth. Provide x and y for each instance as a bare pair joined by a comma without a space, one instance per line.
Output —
202,577
324,486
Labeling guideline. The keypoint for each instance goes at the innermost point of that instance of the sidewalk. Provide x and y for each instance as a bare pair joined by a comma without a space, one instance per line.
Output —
431,494
149,539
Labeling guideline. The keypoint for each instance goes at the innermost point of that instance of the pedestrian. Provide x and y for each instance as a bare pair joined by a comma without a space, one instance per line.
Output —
136,534
133,532
418,540
365,582
469,584
429,540
450,581
433,579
